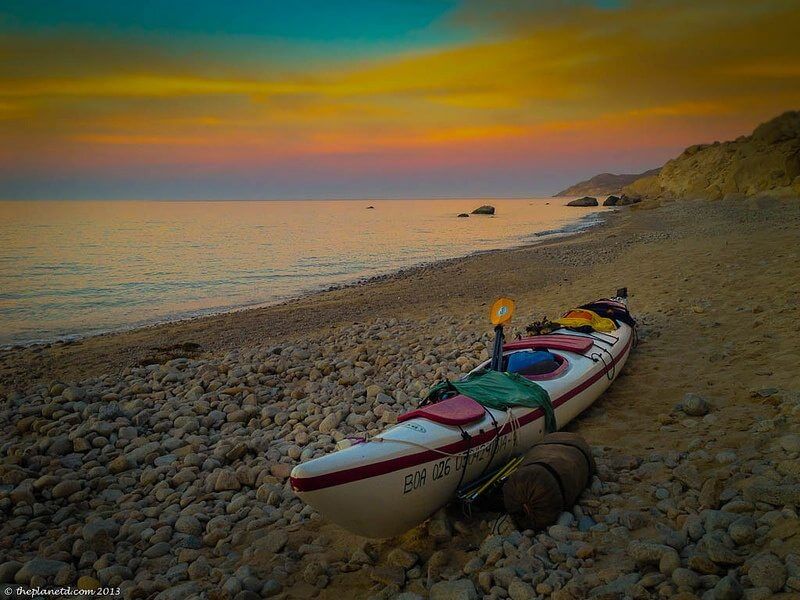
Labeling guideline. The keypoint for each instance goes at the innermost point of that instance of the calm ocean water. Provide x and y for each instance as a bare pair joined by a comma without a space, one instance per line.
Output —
77,268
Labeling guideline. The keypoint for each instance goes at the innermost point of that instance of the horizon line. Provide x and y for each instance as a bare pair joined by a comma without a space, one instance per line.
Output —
289,199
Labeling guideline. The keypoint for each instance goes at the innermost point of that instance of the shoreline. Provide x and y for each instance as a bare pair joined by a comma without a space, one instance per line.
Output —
65,357
576,227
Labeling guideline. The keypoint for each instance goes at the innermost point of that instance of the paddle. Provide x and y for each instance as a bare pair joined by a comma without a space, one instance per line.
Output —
500,314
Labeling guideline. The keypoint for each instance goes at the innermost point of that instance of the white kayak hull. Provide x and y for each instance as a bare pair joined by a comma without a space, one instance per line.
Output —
392,483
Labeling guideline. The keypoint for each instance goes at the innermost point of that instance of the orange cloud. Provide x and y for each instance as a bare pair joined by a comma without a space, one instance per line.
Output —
576,76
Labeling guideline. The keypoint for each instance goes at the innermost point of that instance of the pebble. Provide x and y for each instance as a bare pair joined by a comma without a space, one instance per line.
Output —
329,423
66,488
790,443
585,523
685,578
519,590
38,568
648,552
459,589
439,530
400,558
8,570
743,530
767,570
179,592
271,588
389,575
157,550
87,583
189,525
721,554
728,588
275,540
694,405
227,480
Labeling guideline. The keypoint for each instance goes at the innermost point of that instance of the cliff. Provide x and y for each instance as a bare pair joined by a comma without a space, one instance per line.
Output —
767,162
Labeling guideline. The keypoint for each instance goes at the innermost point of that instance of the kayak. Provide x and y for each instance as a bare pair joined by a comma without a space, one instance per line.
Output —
388,484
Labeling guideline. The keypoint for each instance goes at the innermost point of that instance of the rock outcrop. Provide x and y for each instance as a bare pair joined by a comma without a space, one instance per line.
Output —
625,199
585,201
604,184
766,162
486,209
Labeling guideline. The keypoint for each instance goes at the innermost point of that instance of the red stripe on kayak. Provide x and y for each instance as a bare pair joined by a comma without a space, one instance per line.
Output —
309,484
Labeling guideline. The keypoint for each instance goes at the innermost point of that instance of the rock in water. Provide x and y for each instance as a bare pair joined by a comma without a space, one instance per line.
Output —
585,201
463,215
486,209
611,201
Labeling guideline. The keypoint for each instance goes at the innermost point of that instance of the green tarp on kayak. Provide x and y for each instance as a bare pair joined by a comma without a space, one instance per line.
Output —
494,389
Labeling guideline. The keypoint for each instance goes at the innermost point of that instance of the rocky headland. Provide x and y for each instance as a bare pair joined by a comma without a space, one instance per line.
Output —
604,184
767,162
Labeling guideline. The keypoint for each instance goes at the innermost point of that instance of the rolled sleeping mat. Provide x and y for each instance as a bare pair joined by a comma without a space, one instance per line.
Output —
549,481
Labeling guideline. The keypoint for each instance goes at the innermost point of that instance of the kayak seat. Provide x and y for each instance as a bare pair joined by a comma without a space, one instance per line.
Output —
458,410
566,343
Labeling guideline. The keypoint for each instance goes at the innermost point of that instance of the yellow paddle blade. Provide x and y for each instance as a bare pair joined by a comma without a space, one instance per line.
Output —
502,311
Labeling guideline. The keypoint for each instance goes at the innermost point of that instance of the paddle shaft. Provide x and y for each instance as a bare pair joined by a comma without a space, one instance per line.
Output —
497,353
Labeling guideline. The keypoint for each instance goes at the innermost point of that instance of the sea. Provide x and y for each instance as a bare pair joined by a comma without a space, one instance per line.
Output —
70,269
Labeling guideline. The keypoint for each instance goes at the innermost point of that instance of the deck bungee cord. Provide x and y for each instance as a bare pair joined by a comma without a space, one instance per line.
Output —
610,368
511,421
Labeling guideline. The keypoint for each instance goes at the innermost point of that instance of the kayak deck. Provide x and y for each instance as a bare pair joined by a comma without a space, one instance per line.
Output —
458,410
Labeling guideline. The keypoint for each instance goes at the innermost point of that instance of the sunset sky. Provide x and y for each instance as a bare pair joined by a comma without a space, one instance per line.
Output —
318,99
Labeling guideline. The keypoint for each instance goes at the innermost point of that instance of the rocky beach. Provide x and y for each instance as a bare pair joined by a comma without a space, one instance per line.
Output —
156,460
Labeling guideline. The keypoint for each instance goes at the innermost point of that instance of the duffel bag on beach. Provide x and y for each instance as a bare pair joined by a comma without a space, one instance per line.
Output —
549,481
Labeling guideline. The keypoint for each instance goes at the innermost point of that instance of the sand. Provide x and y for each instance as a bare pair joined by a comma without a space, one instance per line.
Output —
714,285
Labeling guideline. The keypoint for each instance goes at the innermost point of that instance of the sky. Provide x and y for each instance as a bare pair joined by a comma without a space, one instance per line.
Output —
383,98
